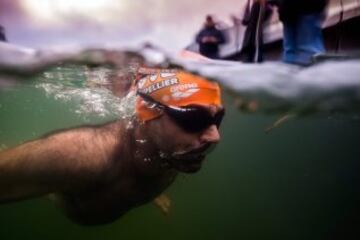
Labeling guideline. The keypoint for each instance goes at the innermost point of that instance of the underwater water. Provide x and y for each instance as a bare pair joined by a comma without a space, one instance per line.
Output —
298,181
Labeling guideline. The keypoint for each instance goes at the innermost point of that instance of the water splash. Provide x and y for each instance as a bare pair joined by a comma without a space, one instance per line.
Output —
276,87
89,94
267,88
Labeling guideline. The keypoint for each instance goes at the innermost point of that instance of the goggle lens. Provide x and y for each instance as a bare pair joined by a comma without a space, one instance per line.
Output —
194,119
190,118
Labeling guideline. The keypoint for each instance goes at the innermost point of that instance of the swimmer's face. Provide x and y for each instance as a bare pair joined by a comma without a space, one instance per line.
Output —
185,150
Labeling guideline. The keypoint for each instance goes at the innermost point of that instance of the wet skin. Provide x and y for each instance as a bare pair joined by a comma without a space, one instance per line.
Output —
98,173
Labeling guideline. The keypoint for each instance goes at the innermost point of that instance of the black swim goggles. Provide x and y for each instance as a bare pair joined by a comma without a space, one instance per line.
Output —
191,119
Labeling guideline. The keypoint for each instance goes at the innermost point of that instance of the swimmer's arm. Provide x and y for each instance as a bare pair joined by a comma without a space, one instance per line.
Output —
62,162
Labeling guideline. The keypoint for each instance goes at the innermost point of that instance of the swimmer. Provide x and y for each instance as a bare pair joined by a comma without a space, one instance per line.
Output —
98,173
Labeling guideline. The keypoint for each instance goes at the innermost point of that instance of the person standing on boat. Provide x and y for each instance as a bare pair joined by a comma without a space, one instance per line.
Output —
255,14
302,20
209,39
2,34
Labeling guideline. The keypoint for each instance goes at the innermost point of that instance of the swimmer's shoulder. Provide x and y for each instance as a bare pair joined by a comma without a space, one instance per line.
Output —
90,148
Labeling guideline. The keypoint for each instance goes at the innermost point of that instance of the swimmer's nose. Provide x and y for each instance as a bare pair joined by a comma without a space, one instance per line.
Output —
211,134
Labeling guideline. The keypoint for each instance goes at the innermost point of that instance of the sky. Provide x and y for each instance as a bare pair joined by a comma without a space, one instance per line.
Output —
167,23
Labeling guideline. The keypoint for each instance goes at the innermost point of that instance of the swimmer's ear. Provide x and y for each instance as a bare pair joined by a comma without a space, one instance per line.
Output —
163,202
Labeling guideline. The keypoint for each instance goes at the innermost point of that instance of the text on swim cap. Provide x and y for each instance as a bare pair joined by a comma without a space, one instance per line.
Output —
159,85
182,87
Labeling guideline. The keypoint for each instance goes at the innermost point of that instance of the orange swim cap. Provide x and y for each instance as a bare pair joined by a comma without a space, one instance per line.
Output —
174,87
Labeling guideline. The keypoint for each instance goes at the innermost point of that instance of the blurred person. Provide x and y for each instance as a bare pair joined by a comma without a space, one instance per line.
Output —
302,21
2,34
255,14
209,39
97,173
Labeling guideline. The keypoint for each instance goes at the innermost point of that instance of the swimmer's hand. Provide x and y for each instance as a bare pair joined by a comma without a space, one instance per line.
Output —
164,203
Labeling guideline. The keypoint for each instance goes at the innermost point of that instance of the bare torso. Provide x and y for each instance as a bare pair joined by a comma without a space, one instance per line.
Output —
121,188
94,173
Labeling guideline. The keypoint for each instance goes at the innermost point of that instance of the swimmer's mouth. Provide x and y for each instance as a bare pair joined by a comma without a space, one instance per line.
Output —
193,158
200,152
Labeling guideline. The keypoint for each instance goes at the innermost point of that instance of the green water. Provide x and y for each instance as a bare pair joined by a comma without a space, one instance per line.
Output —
300,181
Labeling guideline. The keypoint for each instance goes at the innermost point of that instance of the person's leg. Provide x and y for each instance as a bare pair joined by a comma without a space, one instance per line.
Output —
249,42
289,41
309,38
259,51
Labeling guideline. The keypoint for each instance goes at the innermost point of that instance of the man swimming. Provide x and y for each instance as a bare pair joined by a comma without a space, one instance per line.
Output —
98,173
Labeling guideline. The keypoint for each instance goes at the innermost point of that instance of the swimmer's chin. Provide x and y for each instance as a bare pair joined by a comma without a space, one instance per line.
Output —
187,166
187,169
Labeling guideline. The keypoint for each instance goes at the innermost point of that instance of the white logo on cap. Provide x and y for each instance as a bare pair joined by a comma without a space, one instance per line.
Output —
153,77
184,94
166,74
